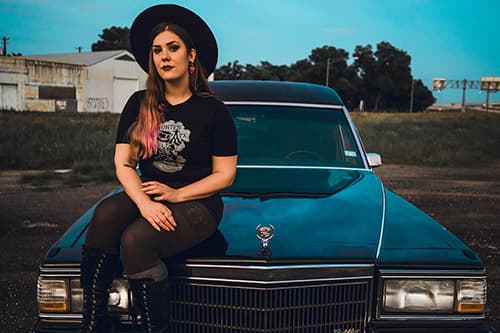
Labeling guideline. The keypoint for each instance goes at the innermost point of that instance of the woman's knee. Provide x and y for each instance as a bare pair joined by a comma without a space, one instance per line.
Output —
136,250
134,240
105,212
105,225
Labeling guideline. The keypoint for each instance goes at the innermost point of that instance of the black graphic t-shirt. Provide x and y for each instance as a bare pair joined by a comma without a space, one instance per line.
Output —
191,133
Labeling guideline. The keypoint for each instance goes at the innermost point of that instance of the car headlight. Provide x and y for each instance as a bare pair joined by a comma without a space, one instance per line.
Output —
434,295
419,295
66,295
52,294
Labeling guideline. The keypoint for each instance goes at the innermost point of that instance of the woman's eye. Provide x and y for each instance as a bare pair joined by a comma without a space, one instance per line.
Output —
156,50
173,48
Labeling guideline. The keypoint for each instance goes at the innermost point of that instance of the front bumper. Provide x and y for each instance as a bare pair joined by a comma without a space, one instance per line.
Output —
59,326
476,326
401,327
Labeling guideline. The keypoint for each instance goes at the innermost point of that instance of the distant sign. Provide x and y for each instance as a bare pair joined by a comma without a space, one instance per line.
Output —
438,83
491,83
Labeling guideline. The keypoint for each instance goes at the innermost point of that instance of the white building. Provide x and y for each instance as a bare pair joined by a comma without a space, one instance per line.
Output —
84,82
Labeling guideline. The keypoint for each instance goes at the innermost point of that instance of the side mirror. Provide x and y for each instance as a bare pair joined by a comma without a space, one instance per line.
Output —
374,160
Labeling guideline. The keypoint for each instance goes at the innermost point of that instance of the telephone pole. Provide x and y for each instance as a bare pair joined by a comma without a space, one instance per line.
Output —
4,50
412,93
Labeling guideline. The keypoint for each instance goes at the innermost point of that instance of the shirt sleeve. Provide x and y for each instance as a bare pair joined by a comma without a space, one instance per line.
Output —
225,138
128,117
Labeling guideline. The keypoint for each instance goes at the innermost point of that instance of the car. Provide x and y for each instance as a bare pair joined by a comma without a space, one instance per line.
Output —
310,240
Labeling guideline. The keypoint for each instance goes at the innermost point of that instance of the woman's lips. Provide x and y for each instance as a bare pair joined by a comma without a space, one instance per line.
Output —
167,68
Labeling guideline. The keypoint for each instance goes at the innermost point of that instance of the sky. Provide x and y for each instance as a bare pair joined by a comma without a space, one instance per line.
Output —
452,39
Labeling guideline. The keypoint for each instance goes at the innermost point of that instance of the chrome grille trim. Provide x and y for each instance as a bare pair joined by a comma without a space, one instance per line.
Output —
272,274
209,307
278,281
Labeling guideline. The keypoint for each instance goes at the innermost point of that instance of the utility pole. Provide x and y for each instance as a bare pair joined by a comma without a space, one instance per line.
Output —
328,62
464,89
487,99
327,71
411,94
4,50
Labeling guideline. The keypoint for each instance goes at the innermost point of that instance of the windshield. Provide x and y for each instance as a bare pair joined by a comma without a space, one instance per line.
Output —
294,136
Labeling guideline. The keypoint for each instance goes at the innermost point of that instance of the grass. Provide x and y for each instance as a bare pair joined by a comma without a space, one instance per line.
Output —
34,140
45,141
84,143
432,138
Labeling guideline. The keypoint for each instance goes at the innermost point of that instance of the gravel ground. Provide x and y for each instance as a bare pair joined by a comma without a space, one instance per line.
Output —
466,201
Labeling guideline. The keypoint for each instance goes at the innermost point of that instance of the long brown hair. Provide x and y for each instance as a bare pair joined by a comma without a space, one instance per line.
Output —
143,134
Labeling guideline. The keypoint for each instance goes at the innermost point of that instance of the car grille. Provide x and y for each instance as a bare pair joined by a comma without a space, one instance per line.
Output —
332,306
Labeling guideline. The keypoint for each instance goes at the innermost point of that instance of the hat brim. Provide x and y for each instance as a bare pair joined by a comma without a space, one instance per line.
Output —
203,38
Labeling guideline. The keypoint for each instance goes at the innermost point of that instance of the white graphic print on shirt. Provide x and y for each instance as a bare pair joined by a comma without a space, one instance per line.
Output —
171,141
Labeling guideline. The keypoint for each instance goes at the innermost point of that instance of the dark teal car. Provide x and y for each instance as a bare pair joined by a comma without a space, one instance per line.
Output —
311,240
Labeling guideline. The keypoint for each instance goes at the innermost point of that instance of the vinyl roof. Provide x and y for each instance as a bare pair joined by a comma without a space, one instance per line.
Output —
275,91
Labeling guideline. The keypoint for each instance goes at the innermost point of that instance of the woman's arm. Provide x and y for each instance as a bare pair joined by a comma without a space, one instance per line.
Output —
157,214
222,176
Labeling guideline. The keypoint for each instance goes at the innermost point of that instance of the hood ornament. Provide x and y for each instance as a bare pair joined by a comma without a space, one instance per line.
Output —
265,233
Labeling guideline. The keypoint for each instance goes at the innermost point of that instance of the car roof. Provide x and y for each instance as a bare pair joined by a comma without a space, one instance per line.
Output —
275,92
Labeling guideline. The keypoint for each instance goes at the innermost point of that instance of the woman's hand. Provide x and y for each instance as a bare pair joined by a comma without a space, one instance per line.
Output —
160,191
158,215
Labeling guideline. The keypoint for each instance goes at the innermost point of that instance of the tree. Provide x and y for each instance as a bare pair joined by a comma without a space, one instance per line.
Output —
386,78
230,71
422,97
394,78
382,78
341,76
114,38
364,66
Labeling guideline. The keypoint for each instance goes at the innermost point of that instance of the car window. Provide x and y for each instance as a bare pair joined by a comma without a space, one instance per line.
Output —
300,136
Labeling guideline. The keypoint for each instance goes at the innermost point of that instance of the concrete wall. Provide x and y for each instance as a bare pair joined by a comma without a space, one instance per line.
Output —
102,87
29,75
109,84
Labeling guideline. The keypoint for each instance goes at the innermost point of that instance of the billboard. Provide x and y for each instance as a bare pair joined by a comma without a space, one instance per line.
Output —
490,83
438,84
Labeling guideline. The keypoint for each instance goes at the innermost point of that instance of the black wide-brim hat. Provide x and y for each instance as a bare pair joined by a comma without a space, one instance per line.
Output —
203,38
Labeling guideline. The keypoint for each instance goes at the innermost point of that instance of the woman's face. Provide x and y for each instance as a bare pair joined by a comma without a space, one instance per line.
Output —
171,57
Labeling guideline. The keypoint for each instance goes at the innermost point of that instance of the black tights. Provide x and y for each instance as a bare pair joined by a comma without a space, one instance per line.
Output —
117,227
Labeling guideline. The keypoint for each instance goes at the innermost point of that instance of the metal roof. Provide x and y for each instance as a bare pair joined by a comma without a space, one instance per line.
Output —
83,58
275,91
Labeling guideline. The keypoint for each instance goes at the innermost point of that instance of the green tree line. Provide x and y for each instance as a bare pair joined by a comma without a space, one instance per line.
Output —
381,78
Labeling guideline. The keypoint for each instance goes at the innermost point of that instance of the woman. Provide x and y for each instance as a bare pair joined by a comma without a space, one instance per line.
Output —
184,141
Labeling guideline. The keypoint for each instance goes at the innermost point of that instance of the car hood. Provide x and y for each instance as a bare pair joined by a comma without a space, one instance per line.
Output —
316,213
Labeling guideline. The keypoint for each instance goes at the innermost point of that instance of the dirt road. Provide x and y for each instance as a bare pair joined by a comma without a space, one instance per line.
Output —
466,201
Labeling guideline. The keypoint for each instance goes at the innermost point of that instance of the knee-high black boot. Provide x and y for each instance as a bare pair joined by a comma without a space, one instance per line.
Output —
97,270
152,300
